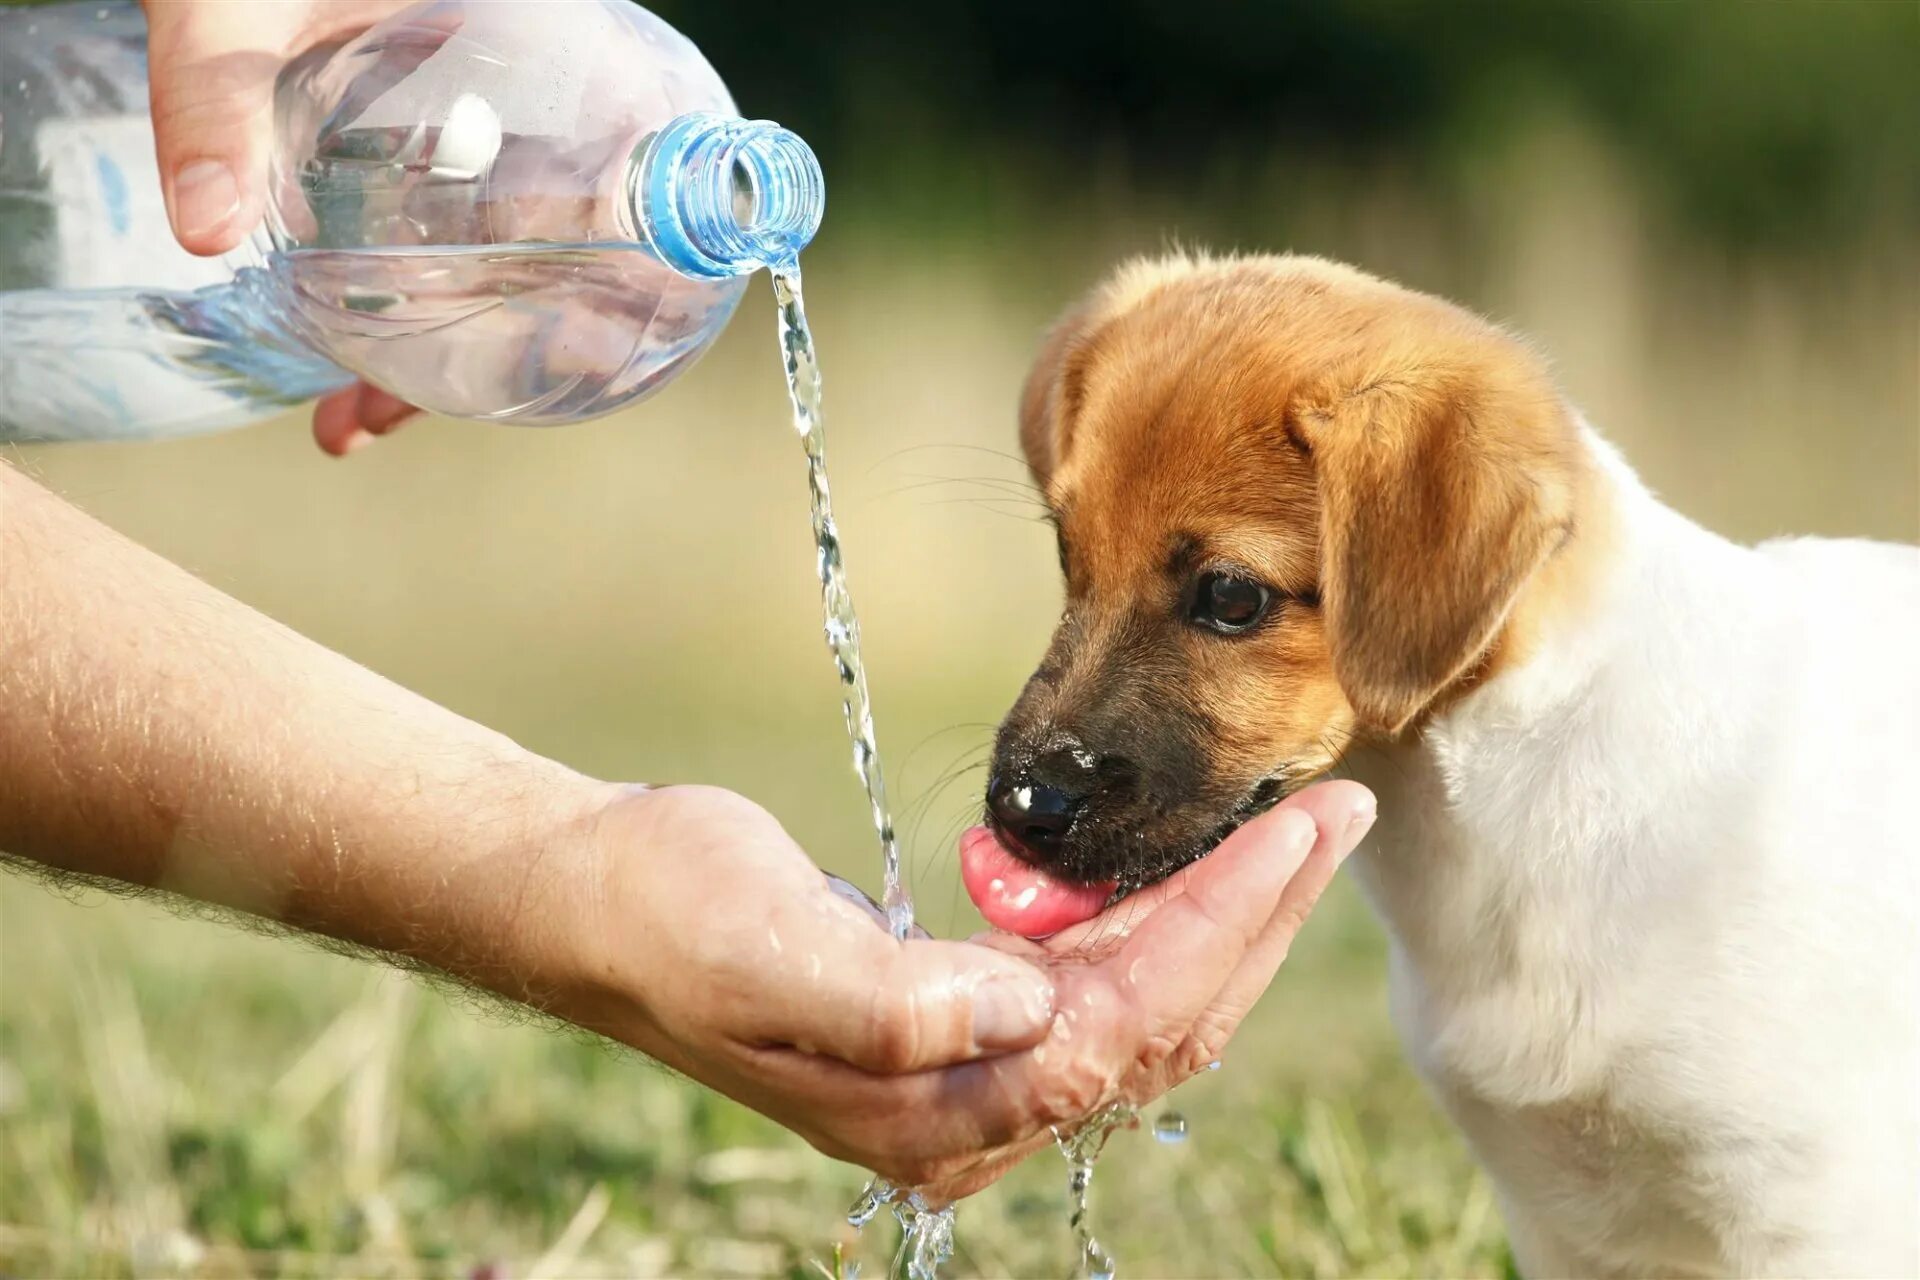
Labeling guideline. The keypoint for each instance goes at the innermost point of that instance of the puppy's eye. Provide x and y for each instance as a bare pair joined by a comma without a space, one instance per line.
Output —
1229,605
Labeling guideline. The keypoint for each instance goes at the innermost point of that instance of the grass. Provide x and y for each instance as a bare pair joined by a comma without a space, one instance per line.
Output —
635,597
181,1094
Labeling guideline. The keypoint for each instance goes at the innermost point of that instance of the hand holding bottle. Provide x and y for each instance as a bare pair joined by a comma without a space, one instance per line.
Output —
212,65
519,211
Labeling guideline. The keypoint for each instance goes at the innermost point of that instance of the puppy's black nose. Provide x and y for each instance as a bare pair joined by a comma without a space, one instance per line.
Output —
1034,814
1037,807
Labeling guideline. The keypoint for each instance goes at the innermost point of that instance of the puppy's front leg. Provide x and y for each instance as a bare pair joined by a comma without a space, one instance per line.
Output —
1540,1255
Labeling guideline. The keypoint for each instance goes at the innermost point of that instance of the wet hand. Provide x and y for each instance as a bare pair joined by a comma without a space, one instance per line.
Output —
1151,990
212,64
715,945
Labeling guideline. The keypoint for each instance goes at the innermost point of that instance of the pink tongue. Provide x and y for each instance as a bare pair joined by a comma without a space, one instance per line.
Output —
1019,898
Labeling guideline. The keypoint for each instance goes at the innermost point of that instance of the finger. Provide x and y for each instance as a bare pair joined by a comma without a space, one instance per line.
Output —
381,411
349,418
914,1129
1176,960
1343,812
1325,802
336,423
211,71
892,1007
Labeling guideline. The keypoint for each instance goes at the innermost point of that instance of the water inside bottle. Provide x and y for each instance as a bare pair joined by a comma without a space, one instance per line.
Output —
528,333
542,333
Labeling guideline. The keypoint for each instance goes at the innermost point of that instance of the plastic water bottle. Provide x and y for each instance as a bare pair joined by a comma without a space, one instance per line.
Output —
528,211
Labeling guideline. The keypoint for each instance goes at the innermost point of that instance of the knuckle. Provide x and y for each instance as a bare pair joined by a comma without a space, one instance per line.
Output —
1078,1090
920,1171
1290,919
1193,1055
893,1040
1154,1051
192,117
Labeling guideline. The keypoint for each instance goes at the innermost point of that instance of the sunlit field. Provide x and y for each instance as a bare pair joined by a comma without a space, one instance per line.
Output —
636,597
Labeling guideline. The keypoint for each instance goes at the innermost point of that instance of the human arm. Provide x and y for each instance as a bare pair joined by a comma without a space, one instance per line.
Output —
157,733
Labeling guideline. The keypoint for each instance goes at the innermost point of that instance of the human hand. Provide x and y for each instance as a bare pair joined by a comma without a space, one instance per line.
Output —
714,945
211,67
1151,990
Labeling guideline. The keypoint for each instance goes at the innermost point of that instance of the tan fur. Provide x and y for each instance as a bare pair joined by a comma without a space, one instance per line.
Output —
1404,461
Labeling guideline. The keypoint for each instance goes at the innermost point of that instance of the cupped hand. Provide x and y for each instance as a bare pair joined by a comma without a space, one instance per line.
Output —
1151,990
712,943
211,68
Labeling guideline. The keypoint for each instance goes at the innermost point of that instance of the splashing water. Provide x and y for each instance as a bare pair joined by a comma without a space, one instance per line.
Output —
926,1234
1082,1145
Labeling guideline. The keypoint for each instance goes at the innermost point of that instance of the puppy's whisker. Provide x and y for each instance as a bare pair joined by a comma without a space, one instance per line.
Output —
897,454
1005,484
961,727
922,803
997,506
1011,488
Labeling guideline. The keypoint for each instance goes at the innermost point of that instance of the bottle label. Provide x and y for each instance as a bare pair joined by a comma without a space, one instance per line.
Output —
112,219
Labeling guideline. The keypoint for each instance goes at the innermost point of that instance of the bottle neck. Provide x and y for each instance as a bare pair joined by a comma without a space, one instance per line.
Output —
715,197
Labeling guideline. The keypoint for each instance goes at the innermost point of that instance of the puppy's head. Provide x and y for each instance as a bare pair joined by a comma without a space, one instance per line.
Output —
1296,506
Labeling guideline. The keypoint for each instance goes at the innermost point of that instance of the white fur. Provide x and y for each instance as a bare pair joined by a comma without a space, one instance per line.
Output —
1655,914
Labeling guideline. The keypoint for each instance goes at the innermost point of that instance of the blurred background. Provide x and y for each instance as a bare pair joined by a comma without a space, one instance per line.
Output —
1705,214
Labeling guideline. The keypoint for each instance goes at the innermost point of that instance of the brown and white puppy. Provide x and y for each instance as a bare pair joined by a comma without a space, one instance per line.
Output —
1652,905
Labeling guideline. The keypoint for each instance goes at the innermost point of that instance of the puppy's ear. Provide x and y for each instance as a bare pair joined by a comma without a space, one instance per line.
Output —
1051,395
1440,495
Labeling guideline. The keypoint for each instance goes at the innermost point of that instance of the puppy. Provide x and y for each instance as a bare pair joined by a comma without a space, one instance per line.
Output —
1646,848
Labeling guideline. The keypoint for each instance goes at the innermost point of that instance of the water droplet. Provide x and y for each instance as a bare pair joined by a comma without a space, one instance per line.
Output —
1170,1128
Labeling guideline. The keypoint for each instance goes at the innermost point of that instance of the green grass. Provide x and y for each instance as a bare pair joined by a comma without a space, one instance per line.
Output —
174,1086
636,597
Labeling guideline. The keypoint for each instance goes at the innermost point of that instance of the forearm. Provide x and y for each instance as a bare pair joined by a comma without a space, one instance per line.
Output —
155,731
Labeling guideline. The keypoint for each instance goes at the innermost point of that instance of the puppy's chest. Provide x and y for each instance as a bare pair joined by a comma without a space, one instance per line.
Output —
1606,1179
1556,1014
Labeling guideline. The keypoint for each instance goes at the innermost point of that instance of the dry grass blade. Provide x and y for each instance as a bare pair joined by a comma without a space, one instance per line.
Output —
565,1251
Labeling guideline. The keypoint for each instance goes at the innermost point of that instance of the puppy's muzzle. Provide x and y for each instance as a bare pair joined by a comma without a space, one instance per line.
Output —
1035,806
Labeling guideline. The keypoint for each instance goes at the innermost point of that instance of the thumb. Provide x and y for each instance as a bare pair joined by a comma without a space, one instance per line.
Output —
211,69
895,1007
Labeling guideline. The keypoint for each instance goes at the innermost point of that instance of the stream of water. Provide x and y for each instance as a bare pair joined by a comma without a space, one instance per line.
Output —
926,1233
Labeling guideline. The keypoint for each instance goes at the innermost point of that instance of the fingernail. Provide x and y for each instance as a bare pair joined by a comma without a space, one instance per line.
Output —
359,440
205,196
1358,825
1009,1012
